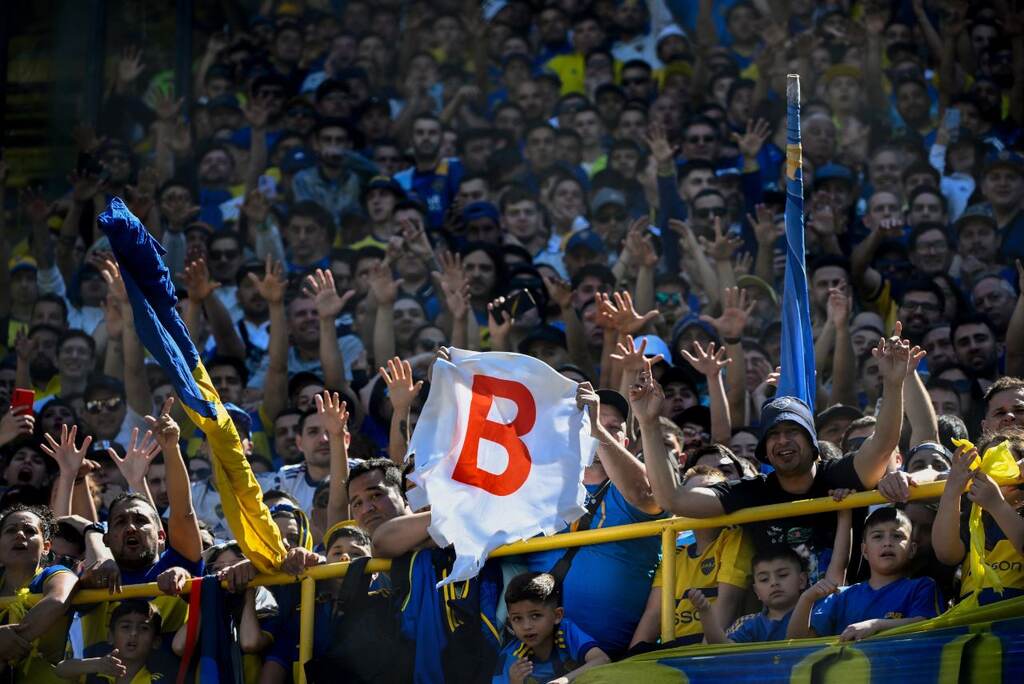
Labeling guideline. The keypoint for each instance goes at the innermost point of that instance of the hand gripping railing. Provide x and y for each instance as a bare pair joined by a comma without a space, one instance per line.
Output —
667,529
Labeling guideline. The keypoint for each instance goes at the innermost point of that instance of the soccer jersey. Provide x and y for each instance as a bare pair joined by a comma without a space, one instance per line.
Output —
759,627
904,598
569,651
999,555
727,560
435,189
37,667
291,479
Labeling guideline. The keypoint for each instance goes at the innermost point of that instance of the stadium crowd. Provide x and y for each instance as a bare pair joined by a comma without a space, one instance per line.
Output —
354,187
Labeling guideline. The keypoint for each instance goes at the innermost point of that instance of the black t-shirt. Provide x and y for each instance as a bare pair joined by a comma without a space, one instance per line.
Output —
810,535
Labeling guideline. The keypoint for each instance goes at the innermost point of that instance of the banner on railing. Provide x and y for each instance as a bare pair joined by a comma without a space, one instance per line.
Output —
500,449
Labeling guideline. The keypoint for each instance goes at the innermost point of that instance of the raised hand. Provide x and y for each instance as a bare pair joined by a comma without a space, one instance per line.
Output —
646,396
68,456
456,295
639,244
736,310
960,473
657,141
164,428
897,359
631,357
723,246
415,237
743,263
559,291
334,412
14,425
137,458
257,112
320,286
84,185
115,283
706,361
34,205
272,285
198,281
624,315
165,106
985,492
838,307
402,389
766,231
256,208
753,139
383,284
499,323
130,66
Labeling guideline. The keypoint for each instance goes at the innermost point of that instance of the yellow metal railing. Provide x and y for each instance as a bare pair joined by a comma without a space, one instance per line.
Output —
667,529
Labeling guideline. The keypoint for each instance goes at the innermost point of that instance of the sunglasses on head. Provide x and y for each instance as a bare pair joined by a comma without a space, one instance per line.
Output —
100,405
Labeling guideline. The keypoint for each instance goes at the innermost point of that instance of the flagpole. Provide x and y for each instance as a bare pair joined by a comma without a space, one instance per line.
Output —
797,351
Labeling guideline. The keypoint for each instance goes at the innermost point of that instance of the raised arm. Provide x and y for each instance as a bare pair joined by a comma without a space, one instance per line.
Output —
1015,331
626,472
897,359
924,426
560,293
946,542
183,528
384,287
329,305
69,460
135,464
766,232
709,363
275,386
645,399
402,391
844,365
335,414
201,294
256,112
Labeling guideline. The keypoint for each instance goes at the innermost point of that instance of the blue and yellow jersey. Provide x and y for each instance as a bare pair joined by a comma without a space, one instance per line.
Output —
759,627
726,560
1000,556
569,651
904,598
50,648
143,676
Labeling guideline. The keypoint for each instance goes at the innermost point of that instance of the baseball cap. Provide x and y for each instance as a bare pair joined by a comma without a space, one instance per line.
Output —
833,172
606,196
328,86
613,398
1004,159
543,333
480,210
837,411
655,346
669,31
385,183
585,239
782,410
22,264
297,159
240,417
980,211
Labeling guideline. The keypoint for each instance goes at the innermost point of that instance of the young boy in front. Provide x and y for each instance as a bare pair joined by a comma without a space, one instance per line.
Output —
780,576
888,599
548,647
134,635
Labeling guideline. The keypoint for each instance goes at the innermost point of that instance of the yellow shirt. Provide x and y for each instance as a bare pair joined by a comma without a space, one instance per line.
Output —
96,622
726,560
1001,557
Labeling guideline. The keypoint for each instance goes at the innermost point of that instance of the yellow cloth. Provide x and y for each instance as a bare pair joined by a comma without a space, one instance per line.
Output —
724,561
37,666
999,464
240,495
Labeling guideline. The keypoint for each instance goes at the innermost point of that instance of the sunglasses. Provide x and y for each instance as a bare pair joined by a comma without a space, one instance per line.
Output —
223,254
100,405
668,298
709,212
608,218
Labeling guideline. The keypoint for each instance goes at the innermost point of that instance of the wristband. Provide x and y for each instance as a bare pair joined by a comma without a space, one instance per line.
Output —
94,527
731,340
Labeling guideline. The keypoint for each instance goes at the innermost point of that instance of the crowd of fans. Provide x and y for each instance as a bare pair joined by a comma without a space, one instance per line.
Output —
598,184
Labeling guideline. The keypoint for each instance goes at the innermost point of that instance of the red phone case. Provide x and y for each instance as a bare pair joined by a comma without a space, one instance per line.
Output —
22,397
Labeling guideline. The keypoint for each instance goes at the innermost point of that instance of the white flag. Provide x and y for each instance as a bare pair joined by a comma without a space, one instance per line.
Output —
500,451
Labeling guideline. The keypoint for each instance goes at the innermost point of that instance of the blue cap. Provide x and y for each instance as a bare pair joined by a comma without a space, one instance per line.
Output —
586,239
297,159
479,210
782,410
240,417
833,172
1004,159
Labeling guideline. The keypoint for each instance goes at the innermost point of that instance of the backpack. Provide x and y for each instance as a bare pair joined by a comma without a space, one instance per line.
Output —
367,644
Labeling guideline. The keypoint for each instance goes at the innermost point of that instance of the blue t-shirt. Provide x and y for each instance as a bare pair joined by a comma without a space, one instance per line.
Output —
905,598
568,653
606,588
435,189
759,627
168,559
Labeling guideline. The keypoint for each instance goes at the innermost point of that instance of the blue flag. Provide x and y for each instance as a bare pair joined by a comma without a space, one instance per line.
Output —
797,354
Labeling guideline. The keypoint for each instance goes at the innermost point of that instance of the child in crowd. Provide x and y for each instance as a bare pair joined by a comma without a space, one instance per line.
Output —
717,563
134,635
37,641
887,599
780,576
1001,520
548,647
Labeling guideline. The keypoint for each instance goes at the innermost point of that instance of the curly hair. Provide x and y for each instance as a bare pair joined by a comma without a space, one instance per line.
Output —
47,523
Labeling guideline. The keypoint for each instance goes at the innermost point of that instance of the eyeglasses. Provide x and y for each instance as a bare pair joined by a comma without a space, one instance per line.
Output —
223,254
608,218
100,405
926,307
668,298
708,212
67,561
697,139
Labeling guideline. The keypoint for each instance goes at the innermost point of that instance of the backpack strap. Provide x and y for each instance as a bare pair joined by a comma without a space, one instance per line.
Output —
561,568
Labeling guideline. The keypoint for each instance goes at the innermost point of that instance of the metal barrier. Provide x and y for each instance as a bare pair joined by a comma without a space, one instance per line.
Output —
667,529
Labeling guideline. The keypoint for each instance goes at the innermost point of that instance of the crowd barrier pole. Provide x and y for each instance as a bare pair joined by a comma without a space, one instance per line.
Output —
666,529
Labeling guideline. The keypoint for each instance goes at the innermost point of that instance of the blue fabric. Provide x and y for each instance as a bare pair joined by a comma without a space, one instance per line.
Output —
670,206
759,627
435,190
797,352
151,293
606,588
168,559
36,585
215,664
905,598
569,652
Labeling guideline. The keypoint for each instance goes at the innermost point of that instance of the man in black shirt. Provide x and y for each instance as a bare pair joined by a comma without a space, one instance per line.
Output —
789,444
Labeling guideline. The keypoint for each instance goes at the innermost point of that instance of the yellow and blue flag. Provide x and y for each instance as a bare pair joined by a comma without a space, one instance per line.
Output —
797,353
151,293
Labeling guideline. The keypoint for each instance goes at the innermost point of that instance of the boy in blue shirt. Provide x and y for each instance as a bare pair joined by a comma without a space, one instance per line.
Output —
780,576
888,599
548,647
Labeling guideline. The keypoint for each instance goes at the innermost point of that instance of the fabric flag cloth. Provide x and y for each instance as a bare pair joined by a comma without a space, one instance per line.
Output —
500,449
797,353
163,333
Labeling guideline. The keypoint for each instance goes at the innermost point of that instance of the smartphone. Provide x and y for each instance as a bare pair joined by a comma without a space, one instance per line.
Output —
952,123
519,302
22,400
